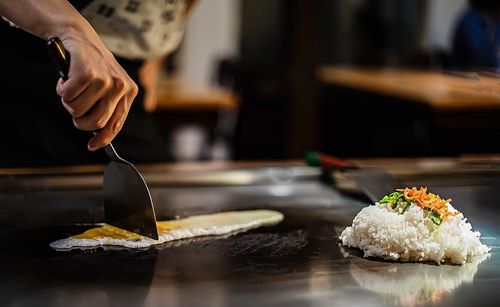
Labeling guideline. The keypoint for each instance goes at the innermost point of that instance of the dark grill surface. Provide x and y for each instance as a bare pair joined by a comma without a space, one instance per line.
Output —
296,263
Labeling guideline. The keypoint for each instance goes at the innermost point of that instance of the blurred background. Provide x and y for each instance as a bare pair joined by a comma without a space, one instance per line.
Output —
264,80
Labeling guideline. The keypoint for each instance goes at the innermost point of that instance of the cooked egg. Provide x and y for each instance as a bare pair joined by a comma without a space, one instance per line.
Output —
195,226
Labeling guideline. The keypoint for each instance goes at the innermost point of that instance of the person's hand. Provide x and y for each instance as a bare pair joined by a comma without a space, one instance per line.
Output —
98,93
149,74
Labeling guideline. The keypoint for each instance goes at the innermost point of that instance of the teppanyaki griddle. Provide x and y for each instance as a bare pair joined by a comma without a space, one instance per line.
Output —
296,263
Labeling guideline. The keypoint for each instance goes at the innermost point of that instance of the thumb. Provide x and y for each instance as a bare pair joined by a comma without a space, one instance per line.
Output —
60,87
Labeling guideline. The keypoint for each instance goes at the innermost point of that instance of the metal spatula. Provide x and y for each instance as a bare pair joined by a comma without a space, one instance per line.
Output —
127,201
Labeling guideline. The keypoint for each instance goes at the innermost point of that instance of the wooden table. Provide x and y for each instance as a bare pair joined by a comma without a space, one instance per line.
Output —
440,91
178,172
178,94
426,112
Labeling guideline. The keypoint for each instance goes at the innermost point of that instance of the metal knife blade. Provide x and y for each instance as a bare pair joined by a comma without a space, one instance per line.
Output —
374,183
127,200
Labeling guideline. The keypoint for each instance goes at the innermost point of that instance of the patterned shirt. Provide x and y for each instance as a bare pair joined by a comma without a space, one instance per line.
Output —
136,29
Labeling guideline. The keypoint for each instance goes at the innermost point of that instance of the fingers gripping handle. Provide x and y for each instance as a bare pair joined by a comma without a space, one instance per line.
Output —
61,59
111,152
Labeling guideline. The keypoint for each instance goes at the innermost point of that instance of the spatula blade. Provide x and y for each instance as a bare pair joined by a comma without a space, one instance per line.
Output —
127,201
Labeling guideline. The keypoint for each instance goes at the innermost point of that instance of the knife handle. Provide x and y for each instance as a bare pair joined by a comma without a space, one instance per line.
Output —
328,164
314,158
59,56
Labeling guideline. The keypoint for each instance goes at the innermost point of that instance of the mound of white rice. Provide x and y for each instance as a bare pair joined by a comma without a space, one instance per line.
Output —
383,232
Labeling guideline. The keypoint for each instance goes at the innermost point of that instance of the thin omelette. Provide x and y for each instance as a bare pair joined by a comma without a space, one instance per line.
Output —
195,226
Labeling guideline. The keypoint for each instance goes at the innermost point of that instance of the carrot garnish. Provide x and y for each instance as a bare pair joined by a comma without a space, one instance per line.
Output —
434,204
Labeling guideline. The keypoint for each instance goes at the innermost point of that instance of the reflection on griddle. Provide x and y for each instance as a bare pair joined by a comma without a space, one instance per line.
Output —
412,284
270,244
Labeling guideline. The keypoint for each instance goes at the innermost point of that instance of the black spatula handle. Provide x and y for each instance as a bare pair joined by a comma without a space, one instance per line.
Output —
59,56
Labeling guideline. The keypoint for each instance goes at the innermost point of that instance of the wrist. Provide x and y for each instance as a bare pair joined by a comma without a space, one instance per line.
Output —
74,26
46,18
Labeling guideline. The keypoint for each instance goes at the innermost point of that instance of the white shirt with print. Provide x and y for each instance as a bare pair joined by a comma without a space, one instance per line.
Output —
135,29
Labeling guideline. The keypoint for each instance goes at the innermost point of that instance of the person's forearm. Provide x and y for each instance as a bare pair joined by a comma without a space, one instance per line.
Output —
47,18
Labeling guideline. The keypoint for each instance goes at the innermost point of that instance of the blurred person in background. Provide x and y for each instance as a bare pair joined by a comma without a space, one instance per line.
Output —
476,40
117,49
